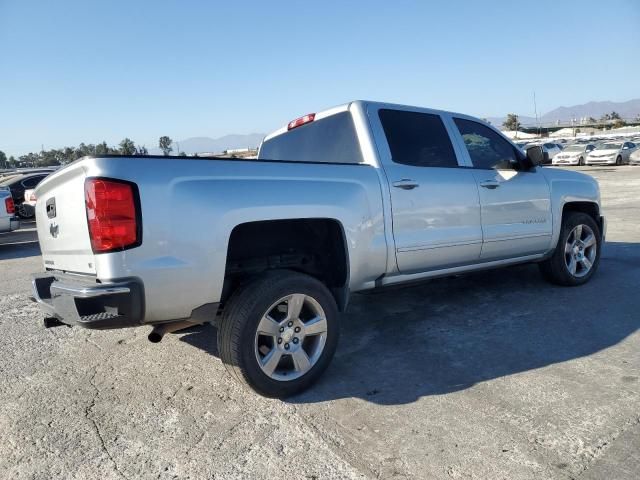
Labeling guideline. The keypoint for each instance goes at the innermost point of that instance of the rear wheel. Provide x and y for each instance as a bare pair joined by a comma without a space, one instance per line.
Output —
278,333
577,253
619,160
581,161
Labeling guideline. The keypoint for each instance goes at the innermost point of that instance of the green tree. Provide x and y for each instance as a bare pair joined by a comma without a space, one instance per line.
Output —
182,154
12,162
50,158
103,149
142,150
619,123
127,147
29,160
165,145
614,116
3,159
511,123
83,150
68,155
591,120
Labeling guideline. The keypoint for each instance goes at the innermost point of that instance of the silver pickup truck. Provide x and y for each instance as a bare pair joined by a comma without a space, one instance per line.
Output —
354,198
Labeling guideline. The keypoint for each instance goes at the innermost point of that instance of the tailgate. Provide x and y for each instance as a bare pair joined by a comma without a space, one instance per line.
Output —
61,221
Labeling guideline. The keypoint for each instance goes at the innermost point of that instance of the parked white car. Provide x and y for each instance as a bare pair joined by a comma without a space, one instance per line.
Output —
550,150
573,154
611,153
634,158
8,220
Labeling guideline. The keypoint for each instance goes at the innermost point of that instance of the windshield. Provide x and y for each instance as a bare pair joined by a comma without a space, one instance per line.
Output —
574,148
609,146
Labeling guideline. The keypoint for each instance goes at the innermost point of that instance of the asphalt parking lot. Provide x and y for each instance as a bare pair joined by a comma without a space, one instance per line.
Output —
490,375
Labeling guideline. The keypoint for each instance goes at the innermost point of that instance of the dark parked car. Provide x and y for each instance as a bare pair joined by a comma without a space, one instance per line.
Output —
18,184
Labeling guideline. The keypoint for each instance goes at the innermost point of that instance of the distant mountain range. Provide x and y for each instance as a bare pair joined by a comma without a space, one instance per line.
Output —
214,145
628,110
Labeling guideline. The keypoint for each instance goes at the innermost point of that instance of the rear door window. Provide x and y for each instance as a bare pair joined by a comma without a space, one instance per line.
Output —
417,139
331,139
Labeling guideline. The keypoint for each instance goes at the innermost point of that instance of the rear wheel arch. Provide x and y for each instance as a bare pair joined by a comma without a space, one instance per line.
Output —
315,246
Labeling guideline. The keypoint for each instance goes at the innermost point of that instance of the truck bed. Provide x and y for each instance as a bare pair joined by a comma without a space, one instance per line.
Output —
189,207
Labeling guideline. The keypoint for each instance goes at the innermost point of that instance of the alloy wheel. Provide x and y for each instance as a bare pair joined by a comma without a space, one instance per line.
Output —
290,337
580,251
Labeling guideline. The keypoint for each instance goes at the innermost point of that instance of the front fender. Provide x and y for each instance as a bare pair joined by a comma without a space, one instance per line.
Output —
569,187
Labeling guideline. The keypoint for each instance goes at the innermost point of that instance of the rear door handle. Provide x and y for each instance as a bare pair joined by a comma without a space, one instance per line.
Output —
405,184
490,184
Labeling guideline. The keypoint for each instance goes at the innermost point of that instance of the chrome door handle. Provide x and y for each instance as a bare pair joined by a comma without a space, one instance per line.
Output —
490,184
405,184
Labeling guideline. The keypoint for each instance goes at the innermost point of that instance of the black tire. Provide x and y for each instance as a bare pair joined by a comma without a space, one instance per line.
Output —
239,323
619,160
555,269
25,212
580,162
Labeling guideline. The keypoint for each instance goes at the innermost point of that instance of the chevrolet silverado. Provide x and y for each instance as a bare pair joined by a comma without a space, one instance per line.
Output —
356,197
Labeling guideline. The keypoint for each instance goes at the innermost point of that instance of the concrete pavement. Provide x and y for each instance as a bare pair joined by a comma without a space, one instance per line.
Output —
491,375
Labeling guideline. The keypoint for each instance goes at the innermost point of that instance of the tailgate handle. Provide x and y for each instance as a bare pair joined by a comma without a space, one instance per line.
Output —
51,207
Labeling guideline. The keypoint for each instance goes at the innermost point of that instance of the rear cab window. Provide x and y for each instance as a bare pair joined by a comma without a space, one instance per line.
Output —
417,139
332,139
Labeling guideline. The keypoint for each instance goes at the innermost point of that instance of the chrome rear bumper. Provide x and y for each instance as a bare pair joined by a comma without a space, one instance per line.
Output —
89,304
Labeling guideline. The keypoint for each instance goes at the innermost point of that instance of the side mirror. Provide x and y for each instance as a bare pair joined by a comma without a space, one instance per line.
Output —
536,156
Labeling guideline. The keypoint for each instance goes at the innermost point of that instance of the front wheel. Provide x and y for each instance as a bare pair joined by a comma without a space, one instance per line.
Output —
581,162
577,254
619,160
279,332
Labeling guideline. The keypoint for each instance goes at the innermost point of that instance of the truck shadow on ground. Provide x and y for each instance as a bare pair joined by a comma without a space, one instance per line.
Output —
10,251
20,243
446,335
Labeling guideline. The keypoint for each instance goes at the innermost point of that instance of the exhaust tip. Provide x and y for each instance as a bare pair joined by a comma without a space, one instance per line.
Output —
160,330
51,322
155,337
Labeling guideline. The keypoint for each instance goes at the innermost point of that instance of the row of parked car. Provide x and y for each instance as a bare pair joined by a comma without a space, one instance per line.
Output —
17,198
603,152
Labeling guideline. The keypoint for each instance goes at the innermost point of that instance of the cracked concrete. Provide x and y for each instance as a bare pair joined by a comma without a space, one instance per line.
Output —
88,415
491,375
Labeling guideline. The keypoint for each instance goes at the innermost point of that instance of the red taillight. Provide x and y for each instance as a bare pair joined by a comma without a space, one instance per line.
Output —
298,122
112,214
9,205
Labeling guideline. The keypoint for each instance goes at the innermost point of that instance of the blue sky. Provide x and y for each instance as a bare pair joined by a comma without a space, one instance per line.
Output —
73,71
